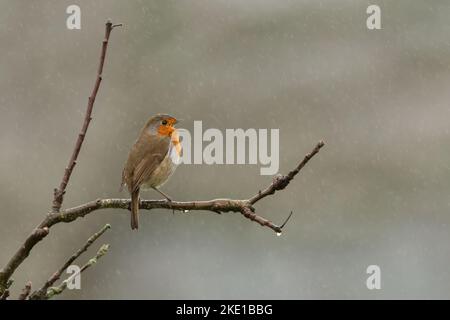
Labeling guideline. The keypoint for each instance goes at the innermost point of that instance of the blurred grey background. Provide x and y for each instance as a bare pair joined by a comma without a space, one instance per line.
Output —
376,194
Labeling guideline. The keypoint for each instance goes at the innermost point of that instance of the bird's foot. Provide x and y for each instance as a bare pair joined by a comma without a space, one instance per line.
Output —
169,201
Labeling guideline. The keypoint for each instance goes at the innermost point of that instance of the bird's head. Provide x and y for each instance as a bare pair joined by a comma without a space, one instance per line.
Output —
161,124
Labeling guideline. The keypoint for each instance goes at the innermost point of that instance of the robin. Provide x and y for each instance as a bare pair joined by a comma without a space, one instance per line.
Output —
152,160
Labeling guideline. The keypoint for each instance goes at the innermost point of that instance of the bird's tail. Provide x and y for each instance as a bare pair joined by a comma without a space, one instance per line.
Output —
134,209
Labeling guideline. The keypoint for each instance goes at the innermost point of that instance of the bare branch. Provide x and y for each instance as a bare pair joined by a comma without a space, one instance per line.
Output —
53,291
280,182
25,291
42,292
245,207
58,196
42,230
37,235
5,294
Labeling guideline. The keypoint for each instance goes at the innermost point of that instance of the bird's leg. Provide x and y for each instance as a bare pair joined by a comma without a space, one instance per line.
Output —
163,194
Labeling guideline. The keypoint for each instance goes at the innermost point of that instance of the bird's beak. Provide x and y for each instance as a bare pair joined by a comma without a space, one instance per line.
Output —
178,121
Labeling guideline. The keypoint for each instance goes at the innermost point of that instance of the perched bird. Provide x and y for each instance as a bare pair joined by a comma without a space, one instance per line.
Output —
152,160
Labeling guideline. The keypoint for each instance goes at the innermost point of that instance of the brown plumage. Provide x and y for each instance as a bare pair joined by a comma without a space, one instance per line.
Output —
152,160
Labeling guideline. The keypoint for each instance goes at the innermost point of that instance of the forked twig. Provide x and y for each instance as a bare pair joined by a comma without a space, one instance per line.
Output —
42,292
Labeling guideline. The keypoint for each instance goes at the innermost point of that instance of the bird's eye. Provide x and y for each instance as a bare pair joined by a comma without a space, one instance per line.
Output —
164,122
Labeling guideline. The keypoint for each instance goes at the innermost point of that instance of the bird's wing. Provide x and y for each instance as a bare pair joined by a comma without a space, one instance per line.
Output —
150,155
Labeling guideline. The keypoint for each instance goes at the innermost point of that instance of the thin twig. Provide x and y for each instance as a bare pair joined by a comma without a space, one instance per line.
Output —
286,221
58,194
41,293
25,291
5,295
53,291
280,182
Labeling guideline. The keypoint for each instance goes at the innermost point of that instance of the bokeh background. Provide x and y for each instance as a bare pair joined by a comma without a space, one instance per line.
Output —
376,194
